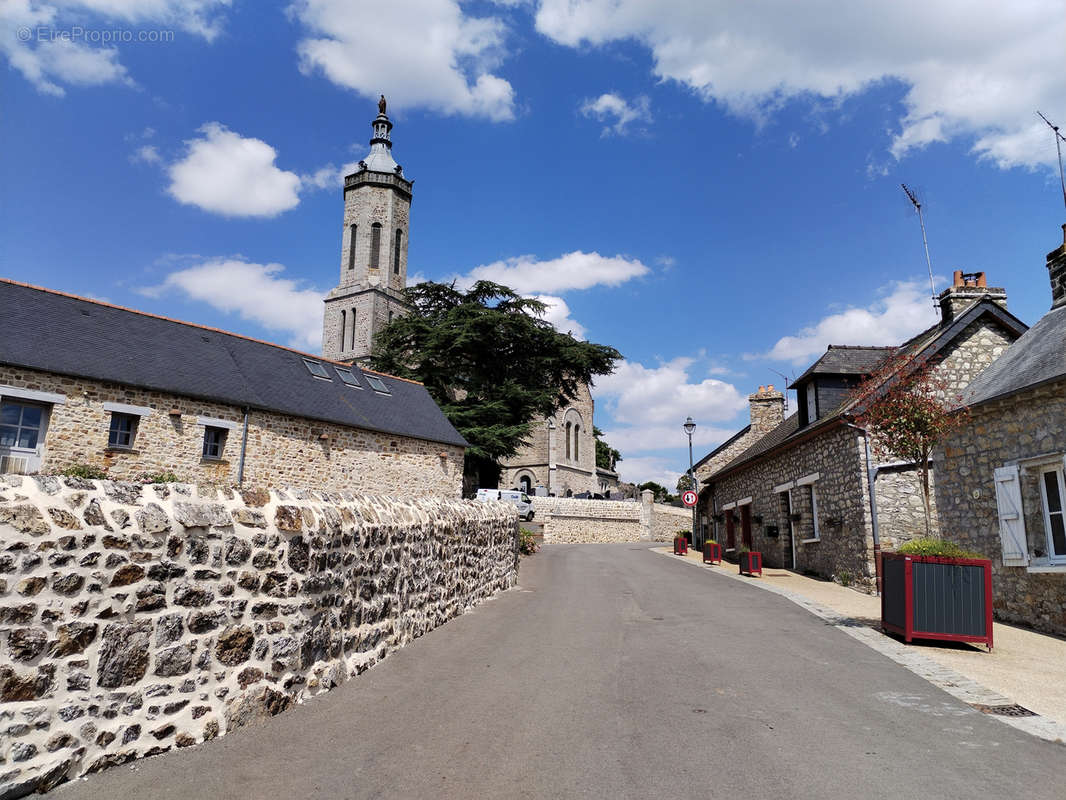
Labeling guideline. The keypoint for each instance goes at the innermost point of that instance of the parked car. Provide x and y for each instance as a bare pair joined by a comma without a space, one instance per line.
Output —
519,499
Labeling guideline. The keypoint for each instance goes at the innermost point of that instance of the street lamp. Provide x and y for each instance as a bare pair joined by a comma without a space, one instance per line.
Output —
689,427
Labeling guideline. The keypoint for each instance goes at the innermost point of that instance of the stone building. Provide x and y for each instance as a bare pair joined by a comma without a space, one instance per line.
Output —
84,382
373,268
1001,488
561,454
807,491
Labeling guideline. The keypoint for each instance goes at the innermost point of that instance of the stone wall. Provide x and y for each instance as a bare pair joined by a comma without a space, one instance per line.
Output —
135,619
282,450
666,521
596,521
900,511
1026,430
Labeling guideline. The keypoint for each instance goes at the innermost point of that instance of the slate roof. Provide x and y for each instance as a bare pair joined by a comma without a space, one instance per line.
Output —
54,332
846,359
926,344
721,447
1039,356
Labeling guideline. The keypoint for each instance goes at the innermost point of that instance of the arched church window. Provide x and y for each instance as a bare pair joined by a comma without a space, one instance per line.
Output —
375,245
351,247
344,328
353,328
396,253
567,429
577,430
526,484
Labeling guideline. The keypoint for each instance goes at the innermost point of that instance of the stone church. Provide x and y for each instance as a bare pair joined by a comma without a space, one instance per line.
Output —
561,455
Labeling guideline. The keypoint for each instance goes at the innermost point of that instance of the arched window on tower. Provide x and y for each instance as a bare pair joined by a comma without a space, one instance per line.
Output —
396,252
344,328
567,429
353,329
577,430
375,245
351,247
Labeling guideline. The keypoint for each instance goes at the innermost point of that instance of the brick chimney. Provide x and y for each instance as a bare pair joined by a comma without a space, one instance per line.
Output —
1056,267
767,409
966,289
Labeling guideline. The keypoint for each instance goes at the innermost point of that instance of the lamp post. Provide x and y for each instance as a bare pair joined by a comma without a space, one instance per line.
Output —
689,427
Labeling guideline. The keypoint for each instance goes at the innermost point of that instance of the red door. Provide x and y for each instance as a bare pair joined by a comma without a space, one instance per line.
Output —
745,525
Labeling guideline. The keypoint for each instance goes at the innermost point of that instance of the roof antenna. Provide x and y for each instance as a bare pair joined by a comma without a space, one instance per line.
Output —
925,241
1058,148
787,381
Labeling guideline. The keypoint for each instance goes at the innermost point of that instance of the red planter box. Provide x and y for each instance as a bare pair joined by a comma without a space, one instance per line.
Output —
680,546
712,552
928,597
751,562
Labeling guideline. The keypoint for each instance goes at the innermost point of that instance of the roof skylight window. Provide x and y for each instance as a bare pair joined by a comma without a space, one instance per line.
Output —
348,377
316,369
376,383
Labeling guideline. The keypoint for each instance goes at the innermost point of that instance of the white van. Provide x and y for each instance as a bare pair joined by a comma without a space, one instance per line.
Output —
519,499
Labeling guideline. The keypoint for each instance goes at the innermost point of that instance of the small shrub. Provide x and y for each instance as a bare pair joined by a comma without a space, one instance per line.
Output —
158,477
710,541
527,542
844,577
87,471
682,534
931,546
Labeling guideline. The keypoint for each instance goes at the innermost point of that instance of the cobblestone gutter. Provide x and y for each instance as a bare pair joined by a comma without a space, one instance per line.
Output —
138,619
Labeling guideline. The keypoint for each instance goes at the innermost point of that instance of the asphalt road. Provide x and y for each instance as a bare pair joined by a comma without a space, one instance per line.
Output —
614,672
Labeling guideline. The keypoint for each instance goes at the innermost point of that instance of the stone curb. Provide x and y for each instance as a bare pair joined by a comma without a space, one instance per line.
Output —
954,683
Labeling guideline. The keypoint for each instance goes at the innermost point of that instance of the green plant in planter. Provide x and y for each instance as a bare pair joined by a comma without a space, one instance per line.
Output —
744,549
932,546
527,543
680,534
710,541
87,471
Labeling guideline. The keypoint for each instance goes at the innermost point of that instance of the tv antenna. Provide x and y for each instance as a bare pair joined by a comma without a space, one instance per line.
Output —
787,380
1058,148
928,261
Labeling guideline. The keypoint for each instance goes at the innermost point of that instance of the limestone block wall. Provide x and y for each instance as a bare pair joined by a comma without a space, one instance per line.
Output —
666,521
282,450
1026,430
569,520
136,619
900,511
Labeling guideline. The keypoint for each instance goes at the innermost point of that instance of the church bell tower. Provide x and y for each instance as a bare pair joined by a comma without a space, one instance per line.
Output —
373,274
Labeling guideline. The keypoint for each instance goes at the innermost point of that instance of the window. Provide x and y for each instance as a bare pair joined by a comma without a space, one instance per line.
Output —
567,428
577,430
214,442
353,328
344,328
730,530
376,383
1053,494
20,425
316,369
745,525
123,429
375,245
348,377
816,533
351,247
396,253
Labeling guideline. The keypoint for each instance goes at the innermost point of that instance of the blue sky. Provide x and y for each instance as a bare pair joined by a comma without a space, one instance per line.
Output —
711,187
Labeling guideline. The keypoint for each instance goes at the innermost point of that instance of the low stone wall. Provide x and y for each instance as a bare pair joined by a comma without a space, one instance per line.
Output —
135,619
666,521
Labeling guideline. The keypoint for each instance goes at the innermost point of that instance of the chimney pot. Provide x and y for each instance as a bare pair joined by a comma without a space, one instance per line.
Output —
957,278
981,282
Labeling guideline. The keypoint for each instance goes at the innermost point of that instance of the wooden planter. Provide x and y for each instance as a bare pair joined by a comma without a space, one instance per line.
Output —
751,562
929,597
712,552
680,545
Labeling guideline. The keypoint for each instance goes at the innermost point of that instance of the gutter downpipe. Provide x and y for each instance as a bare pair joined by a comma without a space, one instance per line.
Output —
244,447
871,478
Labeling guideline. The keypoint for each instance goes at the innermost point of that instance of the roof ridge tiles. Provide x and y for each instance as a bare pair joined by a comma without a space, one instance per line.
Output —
197,325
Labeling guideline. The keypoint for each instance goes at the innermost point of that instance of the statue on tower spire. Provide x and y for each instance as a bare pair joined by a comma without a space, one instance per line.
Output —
381,105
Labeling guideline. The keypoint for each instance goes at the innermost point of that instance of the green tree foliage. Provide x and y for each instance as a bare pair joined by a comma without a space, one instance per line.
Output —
685,482
908,410
606,456
490,361
662,494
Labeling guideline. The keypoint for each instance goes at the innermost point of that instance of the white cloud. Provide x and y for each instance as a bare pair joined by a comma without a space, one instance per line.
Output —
903,311
226,173
558,314
63,43
255,292
146,154
420,53
328,177
642,469
976,69
616,111
576,270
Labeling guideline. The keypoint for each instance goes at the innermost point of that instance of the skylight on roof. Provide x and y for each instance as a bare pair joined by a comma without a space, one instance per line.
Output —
376,383
316,369
348,377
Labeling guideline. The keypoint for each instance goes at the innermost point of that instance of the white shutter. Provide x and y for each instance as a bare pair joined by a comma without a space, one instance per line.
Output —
1011,522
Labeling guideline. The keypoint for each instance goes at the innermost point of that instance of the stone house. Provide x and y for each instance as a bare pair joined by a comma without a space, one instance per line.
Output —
808,493
85,382
1001,488
561,454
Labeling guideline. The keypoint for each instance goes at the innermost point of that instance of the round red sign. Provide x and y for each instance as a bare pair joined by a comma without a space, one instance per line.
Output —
688,497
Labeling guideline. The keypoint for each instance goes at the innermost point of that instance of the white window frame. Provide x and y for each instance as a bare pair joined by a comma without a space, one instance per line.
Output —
1053,558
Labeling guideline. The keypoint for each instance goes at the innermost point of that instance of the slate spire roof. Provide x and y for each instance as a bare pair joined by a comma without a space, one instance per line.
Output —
51,331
